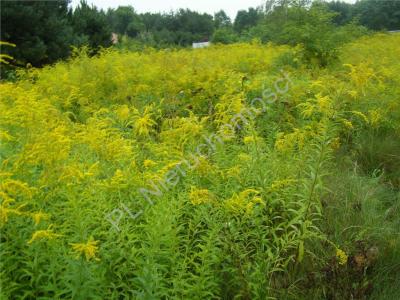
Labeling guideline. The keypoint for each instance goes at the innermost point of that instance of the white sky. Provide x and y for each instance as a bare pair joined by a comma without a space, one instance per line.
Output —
209,6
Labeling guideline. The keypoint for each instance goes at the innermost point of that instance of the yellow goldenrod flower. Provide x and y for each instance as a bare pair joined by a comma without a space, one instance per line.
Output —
88,249
361,115
248,140
341,256
143,124
203,166
5,209
4,58
375,117
278,185
233,172
93,170
4,212
347,124
43,234
200,196
286,142
321,104
123,112
243,202
118,180
5,197
324,104
307,109
148,163
4,43
37,217
16,187
360,74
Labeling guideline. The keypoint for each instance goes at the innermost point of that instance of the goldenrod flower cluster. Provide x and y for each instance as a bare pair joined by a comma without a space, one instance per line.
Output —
341,256
88,249
244,202
200,196
46,234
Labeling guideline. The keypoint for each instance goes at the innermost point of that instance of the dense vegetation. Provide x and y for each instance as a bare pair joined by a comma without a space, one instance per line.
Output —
266,168
242,171
44,30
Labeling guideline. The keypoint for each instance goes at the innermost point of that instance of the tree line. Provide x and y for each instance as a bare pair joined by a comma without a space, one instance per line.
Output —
44,31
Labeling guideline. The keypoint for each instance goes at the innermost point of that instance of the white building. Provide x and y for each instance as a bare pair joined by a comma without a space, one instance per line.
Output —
201,45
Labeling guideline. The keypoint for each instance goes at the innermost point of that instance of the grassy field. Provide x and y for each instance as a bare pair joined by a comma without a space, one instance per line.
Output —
233,172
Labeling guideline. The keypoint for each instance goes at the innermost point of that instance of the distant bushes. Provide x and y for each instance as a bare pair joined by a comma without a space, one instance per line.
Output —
312,28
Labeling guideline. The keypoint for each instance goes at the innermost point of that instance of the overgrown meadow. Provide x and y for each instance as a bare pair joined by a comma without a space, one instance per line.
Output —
233,172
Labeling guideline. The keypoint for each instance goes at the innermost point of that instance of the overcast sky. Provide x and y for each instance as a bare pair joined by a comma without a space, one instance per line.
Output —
209,6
